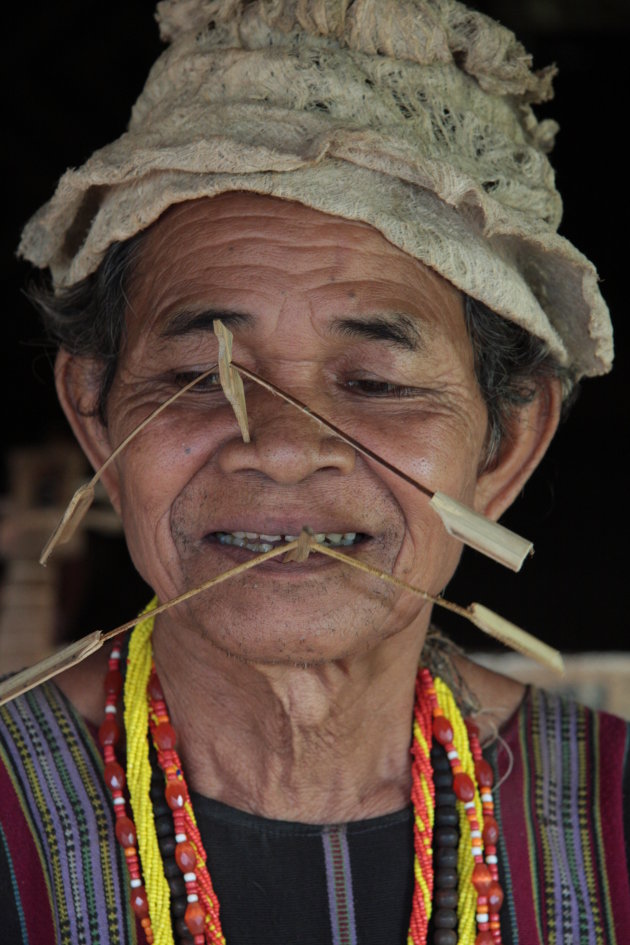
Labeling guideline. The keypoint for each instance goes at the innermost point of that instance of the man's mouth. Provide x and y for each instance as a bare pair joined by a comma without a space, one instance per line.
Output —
252,541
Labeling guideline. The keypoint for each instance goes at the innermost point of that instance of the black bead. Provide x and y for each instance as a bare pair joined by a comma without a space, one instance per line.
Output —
177,886
181,928
446,798
443,780
446,817
446,837
446,856
170,867
156,790
164,826
445,919
446,878
439,761
444,937
178,906
167,845
446,898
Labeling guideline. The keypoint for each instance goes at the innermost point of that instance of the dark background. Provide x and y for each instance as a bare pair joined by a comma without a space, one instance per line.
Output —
73,69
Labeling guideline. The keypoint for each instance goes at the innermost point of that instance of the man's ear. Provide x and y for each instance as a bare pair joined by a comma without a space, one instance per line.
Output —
525,441
78,381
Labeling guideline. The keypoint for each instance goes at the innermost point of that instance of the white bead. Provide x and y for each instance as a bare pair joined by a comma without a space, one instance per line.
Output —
190,877
451,755
135,883
192,897
111,709
469,805
491,858
483,917
475,833
119,800
487,797
180,838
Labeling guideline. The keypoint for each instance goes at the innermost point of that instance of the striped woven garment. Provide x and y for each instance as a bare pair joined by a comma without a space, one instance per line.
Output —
563,856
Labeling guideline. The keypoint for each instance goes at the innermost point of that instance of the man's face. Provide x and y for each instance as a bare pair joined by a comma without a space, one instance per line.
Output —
372,339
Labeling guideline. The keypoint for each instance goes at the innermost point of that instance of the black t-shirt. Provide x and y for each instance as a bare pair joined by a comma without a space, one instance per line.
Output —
283,883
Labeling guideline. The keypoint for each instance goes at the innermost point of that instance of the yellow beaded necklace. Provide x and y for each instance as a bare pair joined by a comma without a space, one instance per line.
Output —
436,716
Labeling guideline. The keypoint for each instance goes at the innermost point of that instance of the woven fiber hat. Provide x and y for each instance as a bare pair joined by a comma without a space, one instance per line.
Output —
413,116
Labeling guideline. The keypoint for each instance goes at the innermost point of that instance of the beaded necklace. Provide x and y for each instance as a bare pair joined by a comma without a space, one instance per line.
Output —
456,890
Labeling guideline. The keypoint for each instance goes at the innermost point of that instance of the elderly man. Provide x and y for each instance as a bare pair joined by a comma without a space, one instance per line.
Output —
355,190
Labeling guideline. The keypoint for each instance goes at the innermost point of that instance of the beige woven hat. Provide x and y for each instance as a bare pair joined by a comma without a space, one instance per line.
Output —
411,115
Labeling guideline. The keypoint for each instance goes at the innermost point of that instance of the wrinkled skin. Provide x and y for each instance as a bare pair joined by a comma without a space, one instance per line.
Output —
372,339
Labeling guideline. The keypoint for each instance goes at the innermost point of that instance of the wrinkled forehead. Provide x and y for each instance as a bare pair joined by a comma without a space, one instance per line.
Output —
263,250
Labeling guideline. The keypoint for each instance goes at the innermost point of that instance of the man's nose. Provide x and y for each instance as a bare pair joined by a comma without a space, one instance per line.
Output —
285,446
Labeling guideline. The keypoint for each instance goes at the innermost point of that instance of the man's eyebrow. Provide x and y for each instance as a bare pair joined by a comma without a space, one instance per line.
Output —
396,329
189,322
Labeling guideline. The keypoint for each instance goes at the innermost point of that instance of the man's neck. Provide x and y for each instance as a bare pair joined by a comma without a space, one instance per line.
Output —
317,744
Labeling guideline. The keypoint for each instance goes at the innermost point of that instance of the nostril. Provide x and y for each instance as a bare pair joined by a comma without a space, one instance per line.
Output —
287,449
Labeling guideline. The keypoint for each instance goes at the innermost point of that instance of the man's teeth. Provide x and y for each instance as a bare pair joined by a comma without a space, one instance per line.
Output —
255,542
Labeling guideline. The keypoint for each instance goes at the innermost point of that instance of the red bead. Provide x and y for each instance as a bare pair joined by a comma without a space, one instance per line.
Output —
186,857
126,832
463,787
484,938
139,902
495,897
154,688
472,728
195,918
113,682
484,773
490,832
442,730
108,733
481,878
164,736
175,794
114,776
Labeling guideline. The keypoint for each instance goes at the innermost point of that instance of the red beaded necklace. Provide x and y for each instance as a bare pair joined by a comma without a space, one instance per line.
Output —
201,916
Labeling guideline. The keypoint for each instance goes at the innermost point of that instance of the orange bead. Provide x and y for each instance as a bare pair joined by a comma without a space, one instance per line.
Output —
114,776
113,682
472,728
109,732
484,938
463,787
442,730
164,736
495,897
484,773
481,878
154,688
175,794
490,831
195,918
126,832
139,902
185,857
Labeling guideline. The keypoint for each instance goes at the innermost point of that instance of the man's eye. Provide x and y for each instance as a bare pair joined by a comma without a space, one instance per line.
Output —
209,383
380,388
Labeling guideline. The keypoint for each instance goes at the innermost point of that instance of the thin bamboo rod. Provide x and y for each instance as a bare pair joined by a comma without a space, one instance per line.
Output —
297,550
84,495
